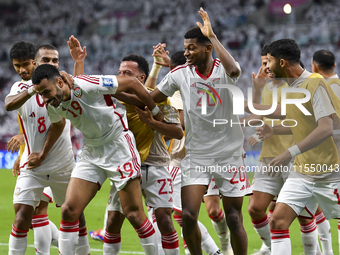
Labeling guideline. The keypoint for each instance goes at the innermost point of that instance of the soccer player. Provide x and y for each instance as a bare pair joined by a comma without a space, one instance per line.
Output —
206,145
323,62
305,187
109,150
37,130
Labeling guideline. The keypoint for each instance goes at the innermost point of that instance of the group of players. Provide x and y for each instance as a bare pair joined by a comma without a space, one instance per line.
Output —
124,127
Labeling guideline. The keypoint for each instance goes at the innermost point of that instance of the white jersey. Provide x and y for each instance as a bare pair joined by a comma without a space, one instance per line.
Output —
201,137
92,110
36,123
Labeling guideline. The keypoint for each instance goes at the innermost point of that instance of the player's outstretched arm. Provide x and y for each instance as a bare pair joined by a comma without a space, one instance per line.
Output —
132,84
14,102
78,54
53,134
227,60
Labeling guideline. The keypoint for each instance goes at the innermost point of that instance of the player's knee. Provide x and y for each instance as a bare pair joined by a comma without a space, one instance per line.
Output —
189,218
276,223
22,220
69,213
254,210
234,220
165,224
214,211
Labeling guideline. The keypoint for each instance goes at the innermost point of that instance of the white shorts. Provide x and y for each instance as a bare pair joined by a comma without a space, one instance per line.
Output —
175,173
113,203
157,186
212,189
47,195
230,174
268,184
117,160
29,187
300,194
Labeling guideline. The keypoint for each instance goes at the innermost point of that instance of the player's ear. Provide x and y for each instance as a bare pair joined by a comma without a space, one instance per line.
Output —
208,48
60,82
282,62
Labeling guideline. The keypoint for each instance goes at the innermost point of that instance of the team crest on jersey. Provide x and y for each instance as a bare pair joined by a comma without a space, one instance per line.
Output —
77,92
109,201
107,82
17,191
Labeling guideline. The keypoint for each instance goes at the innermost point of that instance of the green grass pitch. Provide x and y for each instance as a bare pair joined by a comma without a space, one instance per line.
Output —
94,214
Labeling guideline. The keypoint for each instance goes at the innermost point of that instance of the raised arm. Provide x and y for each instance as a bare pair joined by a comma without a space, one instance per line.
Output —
14,102
54,132
78,54
227,60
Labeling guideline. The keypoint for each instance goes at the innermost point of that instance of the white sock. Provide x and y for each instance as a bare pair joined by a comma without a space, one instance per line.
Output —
170,244
158,237
54,234
112,243
207,243
324,231
309,238
83,247
220,225
68,237
17,241
280,244
262,228
42,234
146,234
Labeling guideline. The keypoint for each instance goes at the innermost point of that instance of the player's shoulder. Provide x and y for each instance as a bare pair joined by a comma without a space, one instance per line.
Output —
22,84
180,68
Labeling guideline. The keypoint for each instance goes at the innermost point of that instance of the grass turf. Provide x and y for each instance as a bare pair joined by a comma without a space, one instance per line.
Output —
94,214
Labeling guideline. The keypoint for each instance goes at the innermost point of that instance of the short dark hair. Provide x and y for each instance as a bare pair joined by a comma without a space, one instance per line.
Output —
44,71
22,50
196,33
324,59
264,50
285,49
143,64
178,58
45,46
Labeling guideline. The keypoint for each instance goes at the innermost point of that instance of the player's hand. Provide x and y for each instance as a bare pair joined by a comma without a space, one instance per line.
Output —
16,167
67,78
264,132
34,160
77,53
252,140
160,55
260,79
144,115
206,28
15,142
279,164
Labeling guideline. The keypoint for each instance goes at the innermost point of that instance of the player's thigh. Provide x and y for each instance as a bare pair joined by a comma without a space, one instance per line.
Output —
259,201
131,196
79,193
191,200
282,217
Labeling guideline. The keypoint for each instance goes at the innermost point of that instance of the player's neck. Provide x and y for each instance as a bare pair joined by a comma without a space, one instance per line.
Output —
205,67
292,73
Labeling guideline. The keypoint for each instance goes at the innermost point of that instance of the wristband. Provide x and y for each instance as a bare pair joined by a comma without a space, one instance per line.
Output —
257,138
294,150
154,71
155,111
30,91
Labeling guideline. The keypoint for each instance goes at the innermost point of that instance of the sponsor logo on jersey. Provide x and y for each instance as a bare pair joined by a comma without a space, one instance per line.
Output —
32,114
77,92
107,82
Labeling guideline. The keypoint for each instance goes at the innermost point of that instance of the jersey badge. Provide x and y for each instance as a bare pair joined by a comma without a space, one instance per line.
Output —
17,191
77,92
216,81
107,82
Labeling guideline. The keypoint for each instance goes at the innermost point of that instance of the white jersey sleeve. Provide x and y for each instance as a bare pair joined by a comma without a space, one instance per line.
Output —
19,87
168,85
101,84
